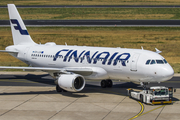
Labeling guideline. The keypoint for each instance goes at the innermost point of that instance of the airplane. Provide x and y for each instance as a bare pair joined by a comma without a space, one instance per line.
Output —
71,66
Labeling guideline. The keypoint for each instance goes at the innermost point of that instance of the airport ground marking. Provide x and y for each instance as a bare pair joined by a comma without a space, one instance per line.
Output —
63,108
19,105
141,111
152,110
114,108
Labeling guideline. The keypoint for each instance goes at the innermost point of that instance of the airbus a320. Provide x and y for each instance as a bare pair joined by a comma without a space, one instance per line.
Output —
71,66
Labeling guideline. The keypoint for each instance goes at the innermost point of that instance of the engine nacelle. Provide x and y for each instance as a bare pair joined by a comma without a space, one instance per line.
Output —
71,82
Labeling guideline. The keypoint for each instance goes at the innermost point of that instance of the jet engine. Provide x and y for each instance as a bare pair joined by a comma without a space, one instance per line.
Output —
71,82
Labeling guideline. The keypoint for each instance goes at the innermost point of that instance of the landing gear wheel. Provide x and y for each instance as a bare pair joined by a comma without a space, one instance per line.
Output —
103,83
130,93
58,89
143,84
141,98
109,83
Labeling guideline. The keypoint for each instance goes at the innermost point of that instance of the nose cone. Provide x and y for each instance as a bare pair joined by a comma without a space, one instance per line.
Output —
167,73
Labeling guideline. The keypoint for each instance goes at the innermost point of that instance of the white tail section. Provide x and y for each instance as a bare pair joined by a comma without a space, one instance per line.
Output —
19,31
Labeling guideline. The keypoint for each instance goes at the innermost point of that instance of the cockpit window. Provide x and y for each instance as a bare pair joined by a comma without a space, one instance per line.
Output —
153,62
165,61
159,62
147,62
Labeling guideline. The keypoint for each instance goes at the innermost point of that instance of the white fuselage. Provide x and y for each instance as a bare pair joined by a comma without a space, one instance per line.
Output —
119,63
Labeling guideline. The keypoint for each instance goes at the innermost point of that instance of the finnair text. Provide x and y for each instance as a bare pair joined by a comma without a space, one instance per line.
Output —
105,57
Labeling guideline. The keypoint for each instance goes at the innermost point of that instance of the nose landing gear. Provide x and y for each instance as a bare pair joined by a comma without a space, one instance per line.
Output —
106,83
143,84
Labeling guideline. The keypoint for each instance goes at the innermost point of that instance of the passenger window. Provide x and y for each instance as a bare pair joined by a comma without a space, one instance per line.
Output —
165,61
147,62
153,62
159,62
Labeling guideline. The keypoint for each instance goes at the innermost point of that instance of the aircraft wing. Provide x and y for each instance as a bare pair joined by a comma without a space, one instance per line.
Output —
78,70
8,51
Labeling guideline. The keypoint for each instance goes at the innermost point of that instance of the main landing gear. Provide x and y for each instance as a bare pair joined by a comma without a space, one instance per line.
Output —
106,83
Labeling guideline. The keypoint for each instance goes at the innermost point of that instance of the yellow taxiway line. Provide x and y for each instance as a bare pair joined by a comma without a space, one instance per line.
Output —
142,109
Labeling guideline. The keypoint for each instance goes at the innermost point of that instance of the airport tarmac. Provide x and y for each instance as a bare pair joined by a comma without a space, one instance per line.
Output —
25,96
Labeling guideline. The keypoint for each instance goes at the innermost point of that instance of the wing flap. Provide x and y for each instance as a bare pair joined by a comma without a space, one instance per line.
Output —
85,71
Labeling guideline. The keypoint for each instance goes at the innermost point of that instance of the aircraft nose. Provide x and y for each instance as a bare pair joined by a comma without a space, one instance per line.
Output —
167,73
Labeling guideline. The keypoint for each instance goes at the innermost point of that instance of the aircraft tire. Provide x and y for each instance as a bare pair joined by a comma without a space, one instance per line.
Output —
103,83
58,89
109,83
130,94
141,98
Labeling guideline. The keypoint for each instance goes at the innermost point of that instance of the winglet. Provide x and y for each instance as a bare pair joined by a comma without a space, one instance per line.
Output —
158,51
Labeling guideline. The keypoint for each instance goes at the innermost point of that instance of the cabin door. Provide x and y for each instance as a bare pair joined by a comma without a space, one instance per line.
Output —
134,62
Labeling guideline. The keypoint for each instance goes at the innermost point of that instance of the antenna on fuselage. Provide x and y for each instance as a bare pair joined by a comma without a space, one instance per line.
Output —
158,51
142,47
65,43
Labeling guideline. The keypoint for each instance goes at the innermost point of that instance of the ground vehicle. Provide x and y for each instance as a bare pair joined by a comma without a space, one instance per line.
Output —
153,95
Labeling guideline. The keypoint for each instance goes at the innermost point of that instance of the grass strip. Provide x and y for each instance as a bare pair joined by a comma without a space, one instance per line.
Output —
94,13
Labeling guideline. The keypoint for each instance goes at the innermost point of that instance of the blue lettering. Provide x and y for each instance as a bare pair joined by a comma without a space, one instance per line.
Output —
102,58
121,58
112,57
66,56
75,56
118,58
57,54
87,54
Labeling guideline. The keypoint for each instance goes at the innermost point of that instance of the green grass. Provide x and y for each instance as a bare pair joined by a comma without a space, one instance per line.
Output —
176,67
91,2
95,13
166,39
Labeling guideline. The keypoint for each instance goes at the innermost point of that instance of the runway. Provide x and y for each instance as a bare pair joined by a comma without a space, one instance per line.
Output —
95,6
32,96
130,23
